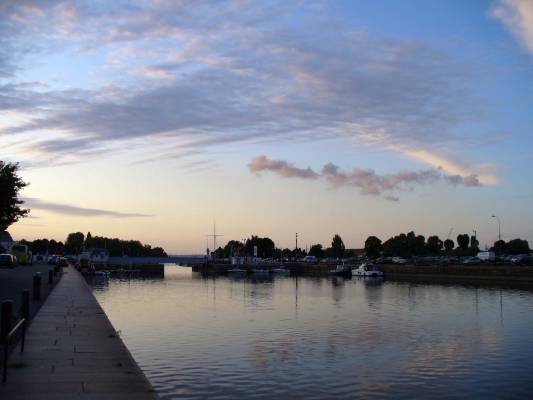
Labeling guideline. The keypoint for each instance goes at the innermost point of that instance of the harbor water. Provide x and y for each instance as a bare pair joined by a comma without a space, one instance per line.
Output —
269,337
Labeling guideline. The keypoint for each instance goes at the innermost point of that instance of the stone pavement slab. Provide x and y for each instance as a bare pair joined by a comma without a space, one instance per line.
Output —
72,351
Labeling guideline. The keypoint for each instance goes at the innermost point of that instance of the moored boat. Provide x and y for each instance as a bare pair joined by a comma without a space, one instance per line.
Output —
237,271
261,271
367,270
281,271
341,270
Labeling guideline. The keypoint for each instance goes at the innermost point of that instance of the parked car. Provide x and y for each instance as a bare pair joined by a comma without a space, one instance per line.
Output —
8,260
399,260
448,260
508,258
486,255
471,261
521,259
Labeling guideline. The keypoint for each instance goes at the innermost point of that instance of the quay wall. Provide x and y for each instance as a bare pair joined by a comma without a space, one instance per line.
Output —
156,269
495,272
481,271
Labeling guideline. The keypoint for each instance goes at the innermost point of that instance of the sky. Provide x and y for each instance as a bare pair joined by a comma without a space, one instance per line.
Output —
150,120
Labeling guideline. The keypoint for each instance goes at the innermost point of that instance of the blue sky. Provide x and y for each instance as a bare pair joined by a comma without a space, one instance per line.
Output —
150,119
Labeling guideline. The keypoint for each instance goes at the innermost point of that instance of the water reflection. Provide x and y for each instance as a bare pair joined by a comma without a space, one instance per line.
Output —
263,336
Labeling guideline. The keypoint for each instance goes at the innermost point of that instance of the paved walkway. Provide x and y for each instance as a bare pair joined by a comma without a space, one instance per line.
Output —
72,351
13,281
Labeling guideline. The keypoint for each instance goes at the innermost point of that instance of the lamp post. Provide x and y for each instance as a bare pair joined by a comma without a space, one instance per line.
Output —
499,227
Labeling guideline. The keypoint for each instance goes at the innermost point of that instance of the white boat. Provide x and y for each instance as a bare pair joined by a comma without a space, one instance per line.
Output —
367,270
340,270
261,271
281,271
236,271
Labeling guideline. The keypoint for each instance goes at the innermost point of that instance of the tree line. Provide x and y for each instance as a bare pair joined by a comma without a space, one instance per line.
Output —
403,245
77,242
266,248
411,244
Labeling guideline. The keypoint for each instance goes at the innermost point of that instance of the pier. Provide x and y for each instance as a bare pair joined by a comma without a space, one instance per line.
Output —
73,351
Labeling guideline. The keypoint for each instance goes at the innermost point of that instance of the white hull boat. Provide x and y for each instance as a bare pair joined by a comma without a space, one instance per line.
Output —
261,271
236,271
367,270
281,271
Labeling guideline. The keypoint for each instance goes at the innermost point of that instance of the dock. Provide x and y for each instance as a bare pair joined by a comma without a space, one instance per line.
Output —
73,351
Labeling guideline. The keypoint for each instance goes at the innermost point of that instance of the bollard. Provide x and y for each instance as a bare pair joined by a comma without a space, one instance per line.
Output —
7,317
37,286
5,327
56,270
50,276
25,304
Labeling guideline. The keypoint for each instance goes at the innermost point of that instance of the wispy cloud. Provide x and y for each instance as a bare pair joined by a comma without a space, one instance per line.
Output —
70,210
236,75
517,16
484,173
366,180
282,168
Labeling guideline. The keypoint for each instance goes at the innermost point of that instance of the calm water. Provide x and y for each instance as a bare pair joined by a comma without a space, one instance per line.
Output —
309,338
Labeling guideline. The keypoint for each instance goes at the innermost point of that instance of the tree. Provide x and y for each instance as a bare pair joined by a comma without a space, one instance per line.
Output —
396,246
463,241
265,246
518,246
297,254
317,251
416,245
434,245
448,245
500,247
233,248
286,253
10,204
373,246
74,243
218,253
474,245
89,241
337,245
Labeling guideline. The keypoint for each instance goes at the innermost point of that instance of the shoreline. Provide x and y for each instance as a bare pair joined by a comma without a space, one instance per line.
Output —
497,273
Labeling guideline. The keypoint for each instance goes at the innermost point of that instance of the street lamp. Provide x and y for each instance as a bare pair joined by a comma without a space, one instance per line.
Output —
499,227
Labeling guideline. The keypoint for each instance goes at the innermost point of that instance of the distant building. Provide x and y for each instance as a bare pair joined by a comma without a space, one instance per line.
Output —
6,242
241,260
95,256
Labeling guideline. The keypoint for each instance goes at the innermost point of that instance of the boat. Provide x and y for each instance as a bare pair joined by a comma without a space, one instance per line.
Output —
237,271
367,270
281,271
341,269
261,271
